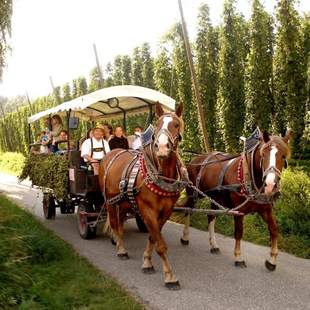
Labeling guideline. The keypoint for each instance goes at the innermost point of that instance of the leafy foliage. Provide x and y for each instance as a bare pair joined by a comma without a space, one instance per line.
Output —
230,100
258,84
47,171
290,69
6,7
207,47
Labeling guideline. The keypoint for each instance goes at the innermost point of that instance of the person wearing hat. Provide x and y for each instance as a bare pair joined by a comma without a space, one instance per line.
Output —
94,149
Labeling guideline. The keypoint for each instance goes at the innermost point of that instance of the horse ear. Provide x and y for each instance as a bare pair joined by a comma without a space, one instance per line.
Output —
264,135
288,136
179,110
159,110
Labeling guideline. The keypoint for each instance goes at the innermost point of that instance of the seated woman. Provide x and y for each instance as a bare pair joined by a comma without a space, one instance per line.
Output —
94,149
119,141
57,127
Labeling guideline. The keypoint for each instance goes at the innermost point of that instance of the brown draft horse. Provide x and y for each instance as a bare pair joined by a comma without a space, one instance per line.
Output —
268,159
153,203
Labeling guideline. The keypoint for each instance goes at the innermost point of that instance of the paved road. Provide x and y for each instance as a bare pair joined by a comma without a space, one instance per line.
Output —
208,281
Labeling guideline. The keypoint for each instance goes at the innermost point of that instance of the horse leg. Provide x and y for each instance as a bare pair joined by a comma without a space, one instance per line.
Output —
189,203
154,226
273,231
214,249
147,266
117,225
185,237
239,262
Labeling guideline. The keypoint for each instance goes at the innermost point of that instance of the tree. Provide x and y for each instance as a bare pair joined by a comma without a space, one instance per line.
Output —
75,88
57,96
81,86
6,8
117,70
147,66
258,76
290,74
163,71
66,92
94,80
137,67
230,100
109,75
192,134
126,70
207,68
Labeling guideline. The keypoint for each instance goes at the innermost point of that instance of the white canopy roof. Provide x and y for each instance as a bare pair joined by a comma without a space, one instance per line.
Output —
95,106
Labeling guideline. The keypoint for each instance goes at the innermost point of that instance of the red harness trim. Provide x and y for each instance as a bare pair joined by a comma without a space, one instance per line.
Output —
241,176
150,185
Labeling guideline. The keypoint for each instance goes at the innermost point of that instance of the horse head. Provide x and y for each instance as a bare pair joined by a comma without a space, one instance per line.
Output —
274,153
168,131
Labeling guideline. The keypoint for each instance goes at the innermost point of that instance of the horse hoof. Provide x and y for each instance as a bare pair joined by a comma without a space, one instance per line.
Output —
269,266
173,286
113,241
215,251
240,264
148,270
123,256
184,242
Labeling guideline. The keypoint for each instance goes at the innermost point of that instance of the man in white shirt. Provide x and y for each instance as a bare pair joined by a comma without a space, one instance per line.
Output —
94,149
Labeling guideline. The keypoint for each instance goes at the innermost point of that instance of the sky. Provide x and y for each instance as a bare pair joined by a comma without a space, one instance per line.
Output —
55,37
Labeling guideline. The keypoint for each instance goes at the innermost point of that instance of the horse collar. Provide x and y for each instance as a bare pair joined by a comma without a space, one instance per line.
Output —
156,185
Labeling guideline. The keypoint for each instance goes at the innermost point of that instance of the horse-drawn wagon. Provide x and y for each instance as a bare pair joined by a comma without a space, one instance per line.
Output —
113,104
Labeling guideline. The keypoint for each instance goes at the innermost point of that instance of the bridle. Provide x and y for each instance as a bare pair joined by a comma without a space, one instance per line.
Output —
271,169
173,140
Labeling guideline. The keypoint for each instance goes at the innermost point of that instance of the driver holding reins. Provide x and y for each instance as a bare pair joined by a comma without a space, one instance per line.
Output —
94,149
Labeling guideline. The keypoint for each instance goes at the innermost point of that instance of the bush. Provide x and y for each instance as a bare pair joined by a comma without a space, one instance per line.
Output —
11,163
293,207
47,171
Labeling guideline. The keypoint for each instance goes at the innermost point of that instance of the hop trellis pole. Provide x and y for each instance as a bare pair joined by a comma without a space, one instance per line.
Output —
201,114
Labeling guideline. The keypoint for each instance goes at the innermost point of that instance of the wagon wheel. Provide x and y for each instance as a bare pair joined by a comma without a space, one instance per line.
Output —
85,231
49,209
142,227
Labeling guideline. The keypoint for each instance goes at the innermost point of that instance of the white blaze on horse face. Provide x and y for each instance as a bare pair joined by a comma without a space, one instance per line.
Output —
163,138
271,176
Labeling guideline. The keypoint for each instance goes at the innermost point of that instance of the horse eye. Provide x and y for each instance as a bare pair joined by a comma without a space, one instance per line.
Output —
176,125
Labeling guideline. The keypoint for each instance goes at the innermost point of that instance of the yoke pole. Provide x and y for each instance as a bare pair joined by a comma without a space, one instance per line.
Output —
201,113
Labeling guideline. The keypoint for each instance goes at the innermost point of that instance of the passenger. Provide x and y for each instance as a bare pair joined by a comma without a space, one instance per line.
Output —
94,149
61,145
39,147
89,134
57,127
108,131
119,141
135,141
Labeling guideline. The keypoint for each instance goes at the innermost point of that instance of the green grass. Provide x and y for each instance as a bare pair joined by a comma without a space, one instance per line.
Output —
11,163
38,270
256,231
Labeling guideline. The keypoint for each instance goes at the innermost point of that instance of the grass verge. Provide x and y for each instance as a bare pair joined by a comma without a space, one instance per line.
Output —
38,270
11,163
